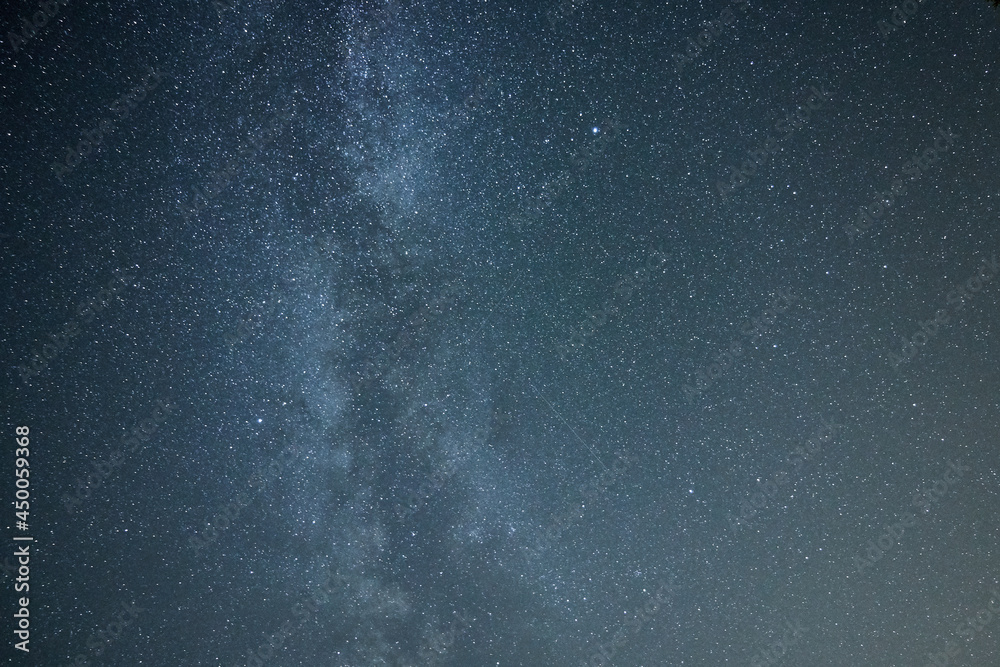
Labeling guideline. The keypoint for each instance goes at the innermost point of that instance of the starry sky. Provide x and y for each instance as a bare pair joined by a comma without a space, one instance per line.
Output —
462,333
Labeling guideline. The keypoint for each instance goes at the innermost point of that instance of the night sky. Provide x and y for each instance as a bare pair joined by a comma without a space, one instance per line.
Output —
476,334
